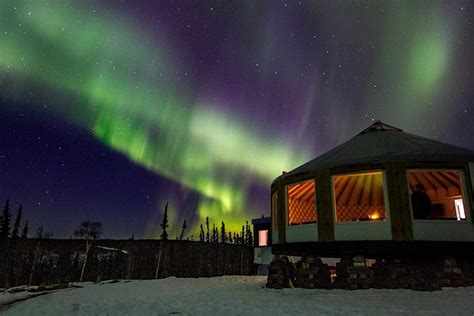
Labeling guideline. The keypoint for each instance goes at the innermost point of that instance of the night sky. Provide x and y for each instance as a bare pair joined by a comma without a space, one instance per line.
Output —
108,109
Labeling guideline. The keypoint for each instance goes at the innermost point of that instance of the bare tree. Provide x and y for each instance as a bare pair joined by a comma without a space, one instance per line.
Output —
89,231
40,234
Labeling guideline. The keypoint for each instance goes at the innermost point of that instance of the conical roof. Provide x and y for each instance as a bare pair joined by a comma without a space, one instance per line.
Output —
381,143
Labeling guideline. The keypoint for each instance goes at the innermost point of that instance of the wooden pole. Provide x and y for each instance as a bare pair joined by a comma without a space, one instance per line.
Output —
88,246
34,263
159,259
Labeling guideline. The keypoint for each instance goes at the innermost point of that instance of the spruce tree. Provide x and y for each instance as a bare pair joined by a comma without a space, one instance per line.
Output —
230,238
24,233
16,225
182,230
5,221
250,238
164,225
201,234
213,239
223,235
207,233
242,236
248,234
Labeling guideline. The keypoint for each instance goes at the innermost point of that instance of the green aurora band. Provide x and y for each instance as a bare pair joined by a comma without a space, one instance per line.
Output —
123,93
102,72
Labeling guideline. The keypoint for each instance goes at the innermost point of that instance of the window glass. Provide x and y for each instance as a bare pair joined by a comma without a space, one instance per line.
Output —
359,197
301,199
436,194
263,238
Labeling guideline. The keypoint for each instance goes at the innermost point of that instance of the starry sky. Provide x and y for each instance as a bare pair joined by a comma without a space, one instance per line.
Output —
109,109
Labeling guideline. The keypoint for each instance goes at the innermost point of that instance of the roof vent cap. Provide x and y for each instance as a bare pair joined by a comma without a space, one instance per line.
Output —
379,126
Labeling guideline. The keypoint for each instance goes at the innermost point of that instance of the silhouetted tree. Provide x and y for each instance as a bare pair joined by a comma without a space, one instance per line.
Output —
5,221
24,233
39,232
164,237
242,236
16,225
248,235
223,235
132,237
230,237
87,230
164,224
207,233
183,228
201,234
213,239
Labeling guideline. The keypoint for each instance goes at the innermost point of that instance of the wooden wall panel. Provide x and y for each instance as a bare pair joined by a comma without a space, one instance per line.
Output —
397,189
469,192
324,206
281,213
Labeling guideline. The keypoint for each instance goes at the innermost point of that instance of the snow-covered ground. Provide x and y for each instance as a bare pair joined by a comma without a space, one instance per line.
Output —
235,295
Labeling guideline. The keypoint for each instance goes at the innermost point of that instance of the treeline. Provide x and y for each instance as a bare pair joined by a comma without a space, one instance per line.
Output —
90,230
213,235
53,261
85,257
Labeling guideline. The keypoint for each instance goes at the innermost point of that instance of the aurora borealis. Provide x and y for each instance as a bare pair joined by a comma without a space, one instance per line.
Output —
111,108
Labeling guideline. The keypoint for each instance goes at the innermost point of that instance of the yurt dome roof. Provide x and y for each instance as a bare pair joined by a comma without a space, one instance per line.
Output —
380,143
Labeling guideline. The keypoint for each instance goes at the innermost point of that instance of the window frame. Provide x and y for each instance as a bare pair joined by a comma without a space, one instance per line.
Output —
462,175
385,197
287,214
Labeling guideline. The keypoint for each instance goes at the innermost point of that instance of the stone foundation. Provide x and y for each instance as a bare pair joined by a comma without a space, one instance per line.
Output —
310,272
279,273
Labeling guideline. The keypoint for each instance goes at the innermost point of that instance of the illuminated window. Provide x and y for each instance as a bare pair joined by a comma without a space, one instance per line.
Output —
263,238
436,194
275,210
301,199
359,197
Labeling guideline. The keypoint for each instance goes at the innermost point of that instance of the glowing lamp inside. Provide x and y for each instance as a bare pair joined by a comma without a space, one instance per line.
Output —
374,216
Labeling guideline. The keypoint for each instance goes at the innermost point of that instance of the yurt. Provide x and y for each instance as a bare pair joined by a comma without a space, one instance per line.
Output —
384,192
386,196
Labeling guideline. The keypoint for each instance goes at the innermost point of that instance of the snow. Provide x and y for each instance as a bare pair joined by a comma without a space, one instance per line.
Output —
231,295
